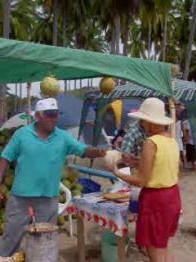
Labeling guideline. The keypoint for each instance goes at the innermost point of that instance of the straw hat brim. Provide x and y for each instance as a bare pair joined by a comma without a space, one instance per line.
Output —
164,120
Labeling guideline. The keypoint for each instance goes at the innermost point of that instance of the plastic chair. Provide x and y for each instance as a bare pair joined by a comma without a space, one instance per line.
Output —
63,206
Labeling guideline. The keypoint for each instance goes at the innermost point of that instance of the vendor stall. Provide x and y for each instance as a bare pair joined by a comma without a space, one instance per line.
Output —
28,62
107,214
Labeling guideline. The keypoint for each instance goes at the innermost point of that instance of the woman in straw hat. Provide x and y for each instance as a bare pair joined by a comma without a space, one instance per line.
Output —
159,200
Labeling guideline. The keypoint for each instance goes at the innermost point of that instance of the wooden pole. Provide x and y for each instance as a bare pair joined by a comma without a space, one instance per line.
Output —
173,115
29,102
121,249
80,239
174,72
16,99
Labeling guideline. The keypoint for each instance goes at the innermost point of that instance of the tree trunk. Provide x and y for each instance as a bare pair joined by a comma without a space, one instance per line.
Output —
149,38
64,23
117,34
126,36
16,99
75,84
65,86
20,96
29,102
55,22
6,34
64,35
113,43
190,43
164,37
6,18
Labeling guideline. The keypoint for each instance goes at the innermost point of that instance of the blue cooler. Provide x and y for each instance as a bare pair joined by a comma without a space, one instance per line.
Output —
89,186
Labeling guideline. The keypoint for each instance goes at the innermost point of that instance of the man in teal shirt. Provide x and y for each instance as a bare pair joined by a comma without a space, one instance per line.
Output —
39,151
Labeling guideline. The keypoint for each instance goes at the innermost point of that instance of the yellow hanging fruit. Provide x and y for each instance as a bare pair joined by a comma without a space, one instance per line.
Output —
18,257
49,86
106,85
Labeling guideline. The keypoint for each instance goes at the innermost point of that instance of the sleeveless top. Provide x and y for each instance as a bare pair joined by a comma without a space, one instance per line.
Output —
166,163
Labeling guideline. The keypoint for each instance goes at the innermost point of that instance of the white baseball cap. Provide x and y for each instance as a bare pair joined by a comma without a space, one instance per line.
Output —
46,104
152,110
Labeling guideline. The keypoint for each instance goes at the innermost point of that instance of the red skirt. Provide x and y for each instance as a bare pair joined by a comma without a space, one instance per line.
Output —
158,215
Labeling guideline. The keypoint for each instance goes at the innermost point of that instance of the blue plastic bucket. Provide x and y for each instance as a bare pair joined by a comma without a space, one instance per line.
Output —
89,186
133,206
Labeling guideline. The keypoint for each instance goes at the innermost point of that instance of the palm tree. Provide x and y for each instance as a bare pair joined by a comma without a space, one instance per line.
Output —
114,18
164,8
23,19
6,33
190,42
149,20
6,18
130,10
64,21
192,70
55,21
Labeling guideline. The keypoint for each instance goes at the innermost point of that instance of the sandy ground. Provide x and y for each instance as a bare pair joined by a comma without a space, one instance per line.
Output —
183,246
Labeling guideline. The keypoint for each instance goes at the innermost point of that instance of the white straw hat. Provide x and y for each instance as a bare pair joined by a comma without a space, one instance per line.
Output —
46,104
152,110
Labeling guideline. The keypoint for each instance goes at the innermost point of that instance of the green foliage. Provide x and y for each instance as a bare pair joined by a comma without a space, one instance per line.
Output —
60,220
141,25
69,178
8,181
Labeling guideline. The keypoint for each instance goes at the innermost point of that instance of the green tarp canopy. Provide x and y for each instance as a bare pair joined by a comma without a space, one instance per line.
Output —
29,62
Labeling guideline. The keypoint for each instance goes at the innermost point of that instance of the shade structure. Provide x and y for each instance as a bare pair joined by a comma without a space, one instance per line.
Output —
29,62
184,91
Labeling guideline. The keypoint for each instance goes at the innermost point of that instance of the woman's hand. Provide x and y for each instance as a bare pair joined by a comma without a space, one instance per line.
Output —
131,160
113,168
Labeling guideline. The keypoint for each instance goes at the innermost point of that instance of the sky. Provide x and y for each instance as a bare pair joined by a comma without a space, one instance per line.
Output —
35,87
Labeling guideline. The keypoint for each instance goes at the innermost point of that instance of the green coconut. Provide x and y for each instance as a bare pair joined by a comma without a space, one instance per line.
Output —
66,183
77,187
76,192
60,220
49,86
8,181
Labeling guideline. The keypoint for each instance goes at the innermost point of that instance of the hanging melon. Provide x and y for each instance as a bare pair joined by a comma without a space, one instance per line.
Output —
106,85
49,86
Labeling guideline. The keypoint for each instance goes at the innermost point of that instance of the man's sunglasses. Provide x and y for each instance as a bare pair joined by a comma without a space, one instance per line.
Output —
51,113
